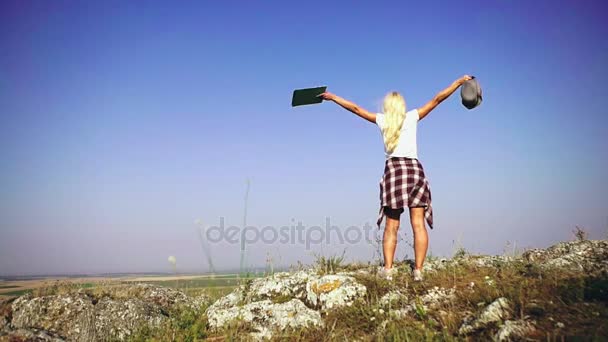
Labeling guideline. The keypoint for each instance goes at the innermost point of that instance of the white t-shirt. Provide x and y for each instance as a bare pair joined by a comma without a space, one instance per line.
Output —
406,146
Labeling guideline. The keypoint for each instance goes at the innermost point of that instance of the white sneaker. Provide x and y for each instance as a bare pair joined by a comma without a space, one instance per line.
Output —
417,275
387,273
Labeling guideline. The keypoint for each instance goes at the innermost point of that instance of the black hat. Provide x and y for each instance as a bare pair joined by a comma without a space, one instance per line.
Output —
470,92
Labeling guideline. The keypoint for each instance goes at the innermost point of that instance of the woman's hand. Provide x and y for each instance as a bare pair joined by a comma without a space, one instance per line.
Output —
465,78
327,96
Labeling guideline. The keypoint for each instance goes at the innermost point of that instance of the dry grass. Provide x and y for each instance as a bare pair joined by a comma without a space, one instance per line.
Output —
545,296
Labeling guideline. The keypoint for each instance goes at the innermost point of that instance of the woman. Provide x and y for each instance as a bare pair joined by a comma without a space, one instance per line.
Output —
403,183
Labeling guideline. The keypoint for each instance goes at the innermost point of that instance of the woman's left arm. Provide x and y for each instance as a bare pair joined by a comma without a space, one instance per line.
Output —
350,106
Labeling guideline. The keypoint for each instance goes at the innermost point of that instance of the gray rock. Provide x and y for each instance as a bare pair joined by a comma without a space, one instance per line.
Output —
494,313
438,264
400,313
256,303
333,291
589,256
120,319
393,299
29,335
66,316
490,260
5,312
163,297
514,330
435,297
281,284
473,260
113,312
234,298
265,315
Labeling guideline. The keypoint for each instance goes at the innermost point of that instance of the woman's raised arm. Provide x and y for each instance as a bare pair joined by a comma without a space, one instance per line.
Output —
442,95
350,106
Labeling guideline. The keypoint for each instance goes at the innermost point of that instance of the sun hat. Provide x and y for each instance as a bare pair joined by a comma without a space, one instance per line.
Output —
470,92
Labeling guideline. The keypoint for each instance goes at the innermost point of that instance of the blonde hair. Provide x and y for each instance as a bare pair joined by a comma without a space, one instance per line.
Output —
394,114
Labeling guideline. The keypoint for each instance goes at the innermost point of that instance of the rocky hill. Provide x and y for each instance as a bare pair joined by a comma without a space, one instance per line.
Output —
543,294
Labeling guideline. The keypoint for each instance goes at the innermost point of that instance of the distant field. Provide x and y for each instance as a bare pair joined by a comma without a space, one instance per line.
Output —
198,282
192,284
8,286
16,293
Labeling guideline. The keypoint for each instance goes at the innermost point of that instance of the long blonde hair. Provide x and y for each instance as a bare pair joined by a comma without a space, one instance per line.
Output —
394,114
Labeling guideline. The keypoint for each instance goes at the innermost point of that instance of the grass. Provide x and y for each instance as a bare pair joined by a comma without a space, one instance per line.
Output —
8,286
63,287
16,293
547,296
329,265
198,282
216,287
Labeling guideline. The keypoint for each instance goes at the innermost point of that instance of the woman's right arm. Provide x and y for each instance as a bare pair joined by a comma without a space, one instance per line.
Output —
442,95
350,106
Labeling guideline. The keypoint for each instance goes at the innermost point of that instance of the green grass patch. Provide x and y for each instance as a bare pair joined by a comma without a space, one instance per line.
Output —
196,283
17,293
220,281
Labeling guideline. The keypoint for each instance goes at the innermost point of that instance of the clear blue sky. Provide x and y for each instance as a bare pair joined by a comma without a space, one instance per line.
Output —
121,123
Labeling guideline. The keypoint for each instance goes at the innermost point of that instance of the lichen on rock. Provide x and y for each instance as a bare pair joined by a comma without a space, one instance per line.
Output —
498,311
589,256
113,312
265,314
333,291
514,330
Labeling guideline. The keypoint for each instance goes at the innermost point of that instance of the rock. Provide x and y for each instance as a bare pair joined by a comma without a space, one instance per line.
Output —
514,330
400,313
589,256
438,264
29,335
5,312
265,315
496,312
65,315
473,260
436,297
113,312
490,260
332,291
393,299
234,298
122,318
256,303
163,297
281,284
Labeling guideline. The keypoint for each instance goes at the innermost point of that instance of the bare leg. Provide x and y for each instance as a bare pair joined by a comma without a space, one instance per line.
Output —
421,239
389,242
